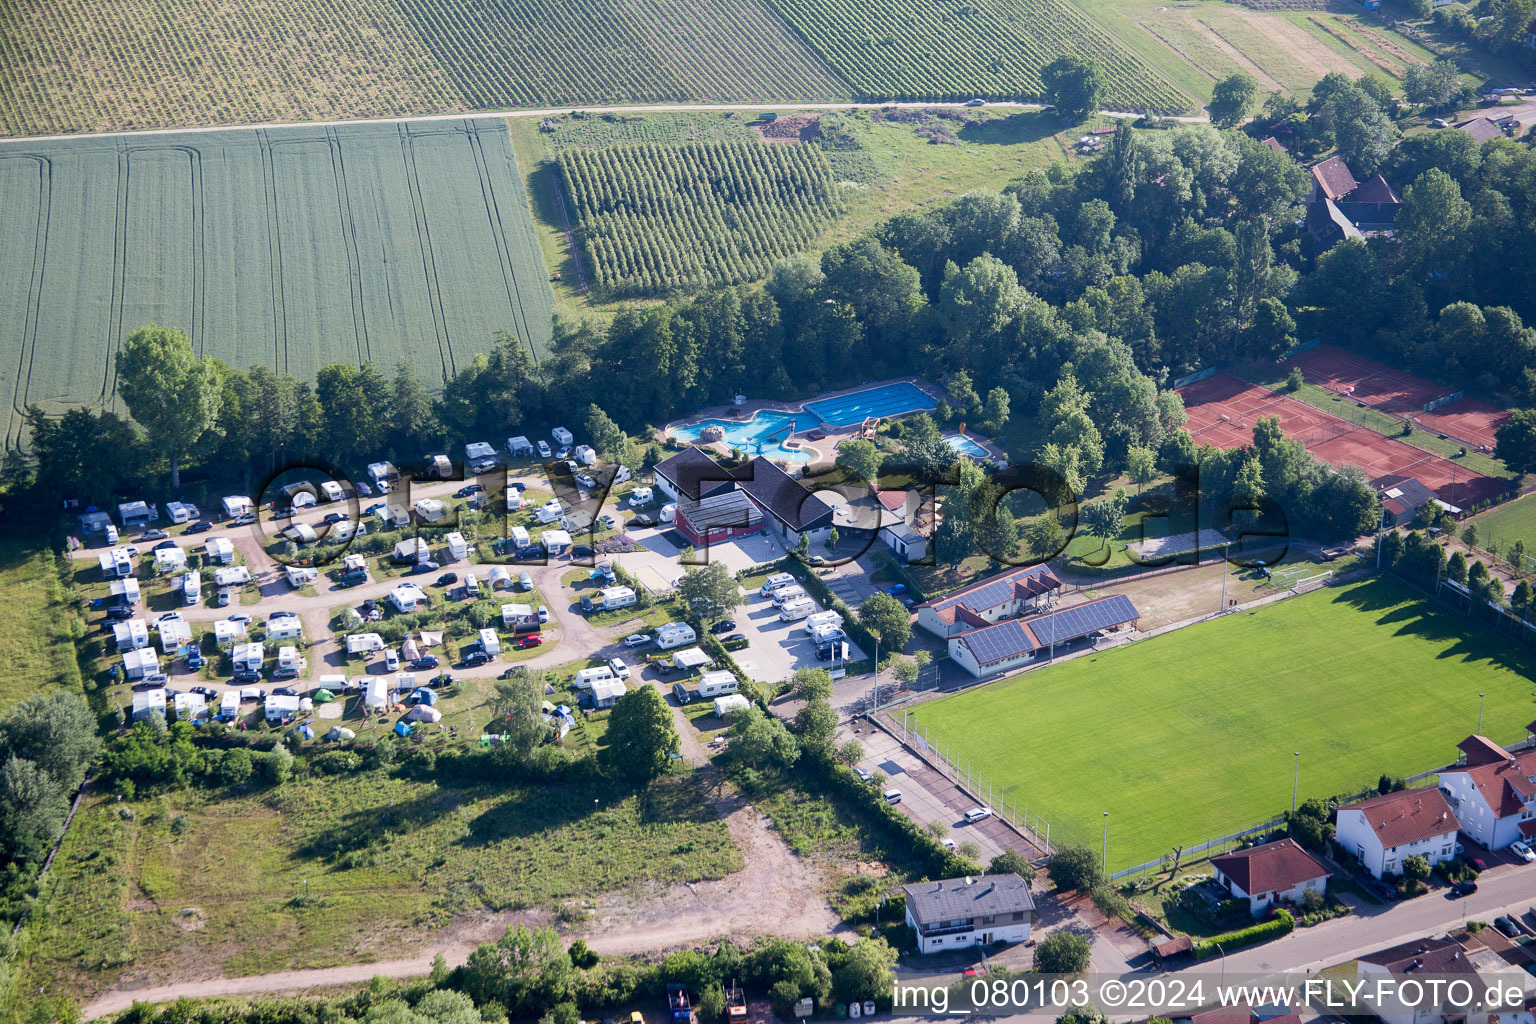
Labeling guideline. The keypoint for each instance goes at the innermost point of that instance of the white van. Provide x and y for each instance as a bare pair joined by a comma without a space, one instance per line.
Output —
668,512
815,622
717,684
391,660
111,534
774,582
784,595
471,585
892,796
797,609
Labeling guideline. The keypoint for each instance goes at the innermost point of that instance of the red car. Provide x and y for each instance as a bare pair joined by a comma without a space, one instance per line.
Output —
531,640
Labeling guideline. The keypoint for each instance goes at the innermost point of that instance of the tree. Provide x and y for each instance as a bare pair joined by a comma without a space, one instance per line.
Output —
997,410
1516,441
1062,952
850,752
1140,465
1074,867
1045,536
1433,222
55,731
1436,85
516,708
861,459
757,737
1104,519
1074,85
1469,535
711,592
172,393
525,971
886,618
1272,331
1012,862
641,737
608,438
1416,868
816,725
1456,567
811,684
1232,98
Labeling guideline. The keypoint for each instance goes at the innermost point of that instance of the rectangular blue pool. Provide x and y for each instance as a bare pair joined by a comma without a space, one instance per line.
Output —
886,400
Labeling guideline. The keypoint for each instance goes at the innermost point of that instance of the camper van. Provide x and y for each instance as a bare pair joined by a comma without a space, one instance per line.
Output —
774,582
668,512
331,490
797,609
587,676
471,585
816,621
784,595
191,588
675,634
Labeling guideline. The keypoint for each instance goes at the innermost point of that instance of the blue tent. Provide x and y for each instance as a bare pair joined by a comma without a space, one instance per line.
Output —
401,729
422,695
304,731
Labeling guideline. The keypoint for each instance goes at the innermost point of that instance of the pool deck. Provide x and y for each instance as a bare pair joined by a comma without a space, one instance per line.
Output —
824,450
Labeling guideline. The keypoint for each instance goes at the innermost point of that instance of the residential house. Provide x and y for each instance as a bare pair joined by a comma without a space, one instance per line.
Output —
1006,645
1340,207
1005,596
1271,874
1386,830
1493,792
953,913
906,523
718,517
1433,957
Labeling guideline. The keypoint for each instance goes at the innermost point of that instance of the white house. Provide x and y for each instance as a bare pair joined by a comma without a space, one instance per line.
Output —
181,511
130,635
953,913
218,551
140,662
1493,792
175,636
279,707
1268,875
170,561
407,597
136,513
906,523
249,657
148,702
1004,646
237,505
284,626
1386,830
457,547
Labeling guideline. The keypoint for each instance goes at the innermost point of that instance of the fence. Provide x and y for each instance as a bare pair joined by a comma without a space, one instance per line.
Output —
1194,852
1198,375
1443,400
1300,347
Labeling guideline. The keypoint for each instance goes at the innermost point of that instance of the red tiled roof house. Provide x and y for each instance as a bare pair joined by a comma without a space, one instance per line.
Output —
1268,875
1386,830
1493,792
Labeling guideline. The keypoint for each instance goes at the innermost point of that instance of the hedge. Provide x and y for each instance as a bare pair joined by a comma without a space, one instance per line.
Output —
1281,924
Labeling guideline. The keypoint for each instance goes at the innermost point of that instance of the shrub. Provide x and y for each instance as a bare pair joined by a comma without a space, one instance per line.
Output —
1074,867
1063,953
1281,924
337,762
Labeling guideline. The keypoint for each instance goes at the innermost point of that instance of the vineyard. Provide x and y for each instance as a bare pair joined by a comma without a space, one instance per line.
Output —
653,219
294,247
958,49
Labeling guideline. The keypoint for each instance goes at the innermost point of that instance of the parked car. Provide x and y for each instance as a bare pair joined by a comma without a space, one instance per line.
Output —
723,626
525,581
1479,863
464,492
335,517
734,642
240,617
642,520
637,640
153,535
447,579
201,526
976,814
194,658
223,598
425,662
474,658
586,602
1506,924
1461,889
421,568
1522,851
285,691
243,519
543,613
119,613
862,773
363,489
531,640
619,668
581,551
206,691
164,545
282,513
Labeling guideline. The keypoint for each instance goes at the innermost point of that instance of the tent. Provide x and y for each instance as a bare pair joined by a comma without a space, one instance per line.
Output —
425,713
324,696
338,733
303,731
401,729
423,695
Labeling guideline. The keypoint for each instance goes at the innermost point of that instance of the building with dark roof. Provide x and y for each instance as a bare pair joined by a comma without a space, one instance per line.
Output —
1013,643
1481,128
1268,875
707,511
953,913
1403,496
1384,831
1004,596
1494,793
1420,958
1341,207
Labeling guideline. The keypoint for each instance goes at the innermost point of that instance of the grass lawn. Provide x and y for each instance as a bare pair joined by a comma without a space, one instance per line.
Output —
383,862
1190,735
1504,524
35,640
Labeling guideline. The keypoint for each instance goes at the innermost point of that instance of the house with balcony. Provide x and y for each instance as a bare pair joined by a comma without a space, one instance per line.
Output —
1386,830
983,604
953,913
1493,792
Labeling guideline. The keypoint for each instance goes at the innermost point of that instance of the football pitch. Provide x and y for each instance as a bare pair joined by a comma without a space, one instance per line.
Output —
1190,735
294,247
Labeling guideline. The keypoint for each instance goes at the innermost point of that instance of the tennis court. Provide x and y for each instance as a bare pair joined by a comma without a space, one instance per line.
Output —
1465,420
1223,410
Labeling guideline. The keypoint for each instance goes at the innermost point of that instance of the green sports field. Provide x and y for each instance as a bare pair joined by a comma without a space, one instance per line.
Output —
1190,735
293,247
1504,524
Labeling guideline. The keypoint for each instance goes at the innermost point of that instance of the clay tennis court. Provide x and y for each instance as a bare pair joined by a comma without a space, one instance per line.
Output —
1223,410
1465,420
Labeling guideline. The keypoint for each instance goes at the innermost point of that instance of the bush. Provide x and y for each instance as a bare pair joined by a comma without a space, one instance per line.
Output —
784,995
1074,867
1281,924
337,762
1063,953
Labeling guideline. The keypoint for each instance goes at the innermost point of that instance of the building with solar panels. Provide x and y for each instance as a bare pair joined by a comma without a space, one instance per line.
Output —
1006,596
1014,643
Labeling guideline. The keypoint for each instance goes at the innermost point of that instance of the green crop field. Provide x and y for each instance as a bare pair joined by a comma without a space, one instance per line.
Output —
908,50
1190,735
293,247
650,219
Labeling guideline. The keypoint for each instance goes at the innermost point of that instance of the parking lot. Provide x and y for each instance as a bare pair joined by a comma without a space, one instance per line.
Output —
776,648
928,796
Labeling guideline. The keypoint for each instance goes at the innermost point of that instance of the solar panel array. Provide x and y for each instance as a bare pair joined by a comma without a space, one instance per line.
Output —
995,643
1080,620
993,592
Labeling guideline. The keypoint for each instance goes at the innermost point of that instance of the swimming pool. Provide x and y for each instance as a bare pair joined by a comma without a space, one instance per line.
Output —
763,434
885,400
965,446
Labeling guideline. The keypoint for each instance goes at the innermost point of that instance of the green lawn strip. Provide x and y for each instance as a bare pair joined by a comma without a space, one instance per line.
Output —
37,622
1504,524
1189,736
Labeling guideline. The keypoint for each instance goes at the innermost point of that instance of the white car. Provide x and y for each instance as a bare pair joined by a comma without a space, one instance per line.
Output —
619,668
947,843
1522,851
976,814
637,640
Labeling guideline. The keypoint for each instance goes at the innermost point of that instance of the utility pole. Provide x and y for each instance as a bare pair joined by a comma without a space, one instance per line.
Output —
1224,564
1480,713
1295,781
1381,529
877,673
1104,856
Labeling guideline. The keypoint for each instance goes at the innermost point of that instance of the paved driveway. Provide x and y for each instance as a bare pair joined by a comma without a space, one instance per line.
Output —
777,648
